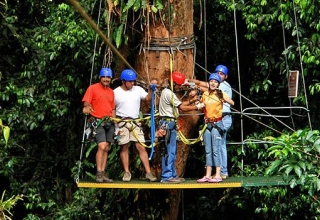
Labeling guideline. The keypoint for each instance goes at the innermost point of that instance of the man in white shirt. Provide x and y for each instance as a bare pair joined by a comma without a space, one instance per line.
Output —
127,99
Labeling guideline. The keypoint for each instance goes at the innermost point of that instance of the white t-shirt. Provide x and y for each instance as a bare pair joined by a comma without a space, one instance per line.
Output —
128,102
167,100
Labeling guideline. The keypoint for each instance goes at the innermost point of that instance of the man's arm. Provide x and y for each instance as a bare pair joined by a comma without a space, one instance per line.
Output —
202,85
186,106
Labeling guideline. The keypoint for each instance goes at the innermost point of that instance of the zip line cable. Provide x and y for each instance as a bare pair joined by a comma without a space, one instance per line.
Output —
286,59
239,81
89,20
242,96
86,117
301,66
205,36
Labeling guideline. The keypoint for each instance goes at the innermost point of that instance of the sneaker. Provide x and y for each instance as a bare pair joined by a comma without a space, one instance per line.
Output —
224,176
215,180
172,180
150,177
99,177
126,177
106,179
102,178
203,179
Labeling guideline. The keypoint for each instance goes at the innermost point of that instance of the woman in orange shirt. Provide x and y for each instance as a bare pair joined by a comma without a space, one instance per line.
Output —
213,100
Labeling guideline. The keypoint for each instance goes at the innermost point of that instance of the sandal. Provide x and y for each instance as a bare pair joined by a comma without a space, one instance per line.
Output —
215,180
203,179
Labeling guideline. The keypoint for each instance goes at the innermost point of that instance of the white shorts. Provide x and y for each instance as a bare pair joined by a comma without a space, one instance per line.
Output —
130,131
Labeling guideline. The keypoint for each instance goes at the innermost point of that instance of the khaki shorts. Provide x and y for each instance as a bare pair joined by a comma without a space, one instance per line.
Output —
130,131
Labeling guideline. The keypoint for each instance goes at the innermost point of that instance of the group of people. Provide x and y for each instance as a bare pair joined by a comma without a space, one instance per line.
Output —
123,103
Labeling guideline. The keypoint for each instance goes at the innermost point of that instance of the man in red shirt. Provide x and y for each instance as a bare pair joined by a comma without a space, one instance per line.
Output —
99,102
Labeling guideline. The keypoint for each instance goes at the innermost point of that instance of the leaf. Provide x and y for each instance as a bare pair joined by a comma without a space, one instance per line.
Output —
273,167
6,134
154,9
318,184
128,5
302,165
136,197
119,36
316,145
288,170
297,170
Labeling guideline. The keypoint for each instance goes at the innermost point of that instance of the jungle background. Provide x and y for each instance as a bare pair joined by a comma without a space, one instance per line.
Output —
48,60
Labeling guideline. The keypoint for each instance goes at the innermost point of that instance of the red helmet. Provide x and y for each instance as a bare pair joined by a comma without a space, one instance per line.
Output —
178,78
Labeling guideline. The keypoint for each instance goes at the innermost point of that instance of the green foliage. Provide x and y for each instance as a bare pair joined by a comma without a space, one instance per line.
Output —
46,57
117,24
297,155
7,205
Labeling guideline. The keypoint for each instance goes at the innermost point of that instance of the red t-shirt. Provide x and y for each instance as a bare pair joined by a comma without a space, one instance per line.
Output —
101,99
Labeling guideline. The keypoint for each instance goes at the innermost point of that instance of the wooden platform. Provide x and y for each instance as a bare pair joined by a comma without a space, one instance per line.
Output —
231,182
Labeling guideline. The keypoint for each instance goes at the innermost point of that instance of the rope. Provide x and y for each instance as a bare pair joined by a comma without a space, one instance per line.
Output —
205,36
301,66
176,43
82,12
153,129
186,141
86,118
239,81
286,59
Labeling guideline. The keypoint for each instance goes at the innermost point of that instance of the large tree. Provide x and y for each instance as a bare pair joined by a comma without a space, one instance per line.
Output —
168,45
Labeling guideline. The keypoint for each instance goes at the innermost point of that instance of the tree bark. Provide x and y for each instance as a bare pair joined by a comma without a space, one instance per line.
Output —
163,38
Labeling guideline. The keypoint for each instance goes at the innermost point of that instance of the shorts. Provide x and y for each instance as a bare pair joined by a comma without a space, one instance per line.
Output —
105,133
130,131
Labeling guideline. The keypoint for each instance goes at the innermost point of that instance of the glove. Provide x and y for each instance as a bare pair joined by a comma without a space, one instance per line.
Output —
200,105
153,87
219,94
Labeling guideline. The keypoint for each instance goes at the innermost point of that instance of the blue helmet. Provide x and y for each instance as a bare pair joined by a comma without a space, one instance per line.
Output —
215,76
105,72
128,75
221,68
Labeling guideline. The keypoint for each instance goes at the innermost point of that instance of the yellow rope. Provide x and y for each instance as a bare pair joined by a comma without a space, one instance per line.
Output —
186,141
182,137
134,132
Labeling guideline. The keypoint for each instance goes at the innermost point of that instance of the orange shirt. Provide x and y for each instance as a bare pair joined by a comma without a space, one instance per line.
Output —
213,106
101,99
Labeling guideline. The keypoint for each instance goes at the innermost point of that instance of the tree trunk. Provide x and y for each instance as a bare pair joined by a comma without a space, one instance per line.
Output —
161,39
